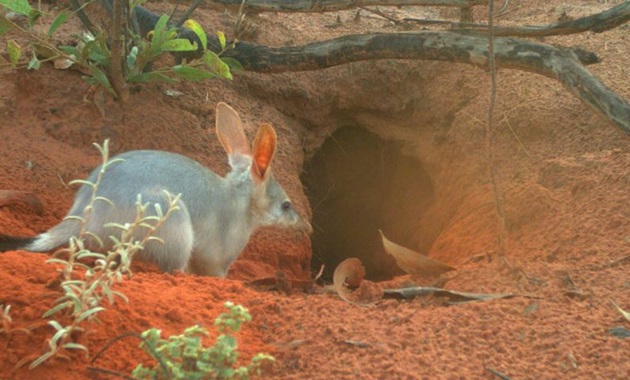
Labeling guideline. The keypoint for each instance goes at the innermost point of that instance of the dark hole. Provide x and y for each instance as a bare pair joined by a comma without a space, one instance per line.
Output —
358,183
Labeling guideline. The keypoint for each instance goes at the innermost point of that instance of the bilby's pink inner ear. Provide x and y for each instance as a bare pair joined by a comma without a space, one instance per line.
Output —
263,149
229,128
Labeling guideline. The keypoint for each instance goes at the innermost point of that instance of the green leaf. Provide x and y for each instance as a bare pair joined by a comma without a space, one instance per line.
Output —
81,182
33,16
101,79
192,74
178,44
624,313
57,22
132,58
19,6
99,198
206,367
160,25
75,346
57,308
60,334
89,254
70,50
121,295
233,64
33,64
15,52
41,359
56,325
216,65
57,261
222,40
89,313
195,27
5,26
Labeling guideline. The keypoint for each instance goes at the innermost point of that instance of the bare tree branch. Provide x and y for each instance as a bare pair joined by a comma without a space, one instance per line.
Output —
116,69
597,23
336,5
422,45
563,64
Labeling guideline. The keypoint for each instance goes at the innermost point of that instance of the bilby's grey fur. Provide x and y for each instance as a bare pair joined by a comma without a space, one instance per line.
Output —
217,214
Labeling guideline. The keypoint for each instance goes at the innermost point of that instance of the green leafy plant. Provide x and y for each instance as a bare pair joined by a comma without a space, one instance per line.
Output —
185,357
86,286
113,59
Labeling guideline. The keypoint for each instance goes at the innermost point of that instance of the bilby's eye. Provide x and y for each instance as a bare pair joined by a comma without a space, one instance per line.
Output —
286,206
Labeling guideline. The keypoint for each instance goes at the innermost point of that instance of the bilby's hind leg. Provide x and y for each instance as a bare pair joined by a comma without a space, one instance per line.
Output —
177,239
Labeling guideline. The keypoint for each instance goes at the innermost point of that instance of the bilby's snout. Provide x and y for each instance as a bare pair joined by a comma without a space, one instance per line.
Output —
304,226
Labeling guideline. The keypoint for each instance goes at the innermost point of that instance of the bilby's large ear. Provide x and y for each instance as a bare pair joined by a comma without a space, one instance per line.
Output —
229,128
264,147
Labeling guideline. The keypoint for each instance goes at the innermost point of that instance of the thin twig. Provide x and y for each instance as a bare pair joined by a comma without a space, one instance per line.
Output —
507,122
505,5
489,137
240,18
188,12
136,335
319,274
83,17
597,23
378,12
170,15
117,48
495,372
110,372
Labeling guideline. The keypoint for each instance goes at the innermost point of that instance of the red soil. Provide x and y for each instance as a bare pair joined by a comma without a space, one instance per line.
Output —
564,170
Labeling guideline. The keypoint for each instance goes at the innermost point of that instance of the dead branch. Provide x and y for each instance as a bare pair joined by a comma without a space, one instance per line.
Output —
337,5
596,23
423,45
563,64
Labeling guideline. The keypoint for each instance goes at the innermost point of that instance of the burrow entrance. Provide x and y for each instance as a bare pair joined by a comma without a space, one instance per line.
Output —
358,183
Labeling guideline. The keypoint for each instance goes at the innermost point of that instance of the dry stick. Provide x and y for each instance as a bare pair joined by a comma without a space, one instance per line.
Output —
240,17
565,65
520,142
596,23
495,372
83,17
136,335
170,15
502,236
116,70
337,5
378,12
188,12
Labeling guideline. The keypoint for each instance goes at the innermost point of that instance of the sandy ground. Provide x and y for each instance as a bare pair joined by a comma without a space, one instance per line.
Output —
563,169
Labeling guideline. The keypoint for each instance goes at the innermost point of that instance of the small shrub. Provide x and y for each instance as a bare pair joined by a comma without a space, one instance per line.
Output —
184,356
110,61
82,299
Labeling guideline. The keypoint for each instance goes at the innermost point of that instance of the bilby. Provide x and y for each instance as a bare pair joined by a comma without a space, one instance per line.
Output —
217,214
